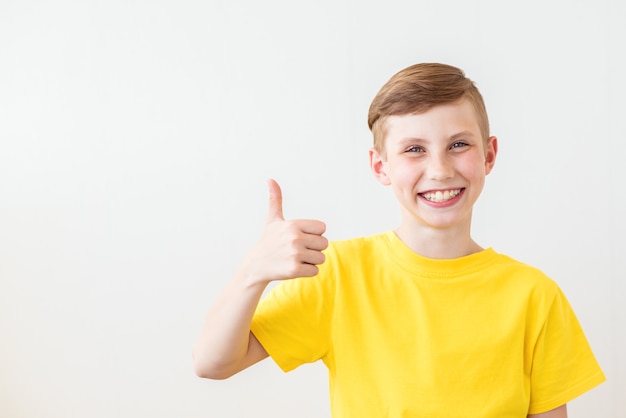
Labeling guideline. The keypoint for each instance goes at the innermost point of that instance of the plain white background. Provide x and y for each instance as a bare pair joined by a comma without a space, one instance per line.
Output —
137,137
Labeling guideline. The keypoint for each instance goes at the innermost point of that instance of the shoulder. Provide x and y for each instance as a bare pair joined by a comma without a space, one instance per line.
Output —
352,258
345,259
359,244
520,268
532,280
357,250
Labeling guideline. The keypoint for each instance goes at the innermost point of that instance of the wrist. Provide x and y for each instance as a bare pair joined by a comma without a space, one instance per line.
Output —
251,277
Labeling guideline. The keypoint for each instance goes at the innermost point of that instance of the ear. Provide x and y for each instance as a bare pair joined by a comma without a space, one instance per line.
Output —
490,153
377,164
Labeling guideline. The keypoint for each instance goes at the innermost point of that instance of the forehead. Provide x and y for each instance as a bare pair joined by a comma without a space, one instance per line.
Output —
440,121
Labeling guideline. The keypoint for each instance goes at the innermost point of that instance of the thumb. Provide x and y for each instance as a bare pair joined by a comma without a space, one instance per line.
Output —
275,202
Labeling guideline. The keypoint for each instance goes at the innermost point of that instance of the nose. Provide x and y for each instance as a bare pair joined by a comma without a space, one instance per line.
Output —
439,167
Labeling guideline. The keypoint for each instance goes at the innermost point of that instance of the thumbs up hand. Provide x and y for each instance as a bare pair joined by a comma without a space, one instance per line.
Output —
287,248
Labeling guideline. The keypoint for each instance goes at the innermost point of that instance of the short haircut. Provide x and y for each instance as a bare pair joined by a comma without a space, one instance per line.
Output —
418,88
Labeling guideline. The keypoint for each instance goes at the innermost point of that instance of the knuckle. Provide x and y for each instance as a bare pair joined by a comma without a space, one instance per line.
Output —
292,271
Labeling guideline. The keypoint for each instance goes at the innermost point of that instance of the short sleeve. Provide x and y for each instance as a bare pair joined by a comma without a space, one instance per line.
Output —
563,365
292,322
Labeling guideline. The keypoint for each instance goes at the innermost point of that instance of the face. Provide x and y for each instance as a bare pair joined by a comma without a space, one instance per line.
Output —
436,163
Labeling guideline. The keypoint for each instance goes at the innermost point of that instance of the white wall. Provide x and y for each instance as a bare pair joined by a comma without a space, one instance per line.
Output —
136,138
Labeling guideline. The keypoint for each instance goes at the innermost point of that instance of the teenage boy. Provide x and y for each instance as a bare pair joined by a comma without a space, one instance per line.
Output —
416,322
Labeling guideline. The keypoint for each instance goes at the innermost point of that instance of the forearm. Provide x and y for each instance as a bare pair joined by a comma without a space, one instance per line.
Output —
560,412
223,347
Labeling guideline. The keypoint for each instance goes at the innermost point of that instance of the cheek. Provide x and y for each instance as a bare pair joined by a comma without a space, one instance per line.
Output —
473,167
474,171
404,173
476,174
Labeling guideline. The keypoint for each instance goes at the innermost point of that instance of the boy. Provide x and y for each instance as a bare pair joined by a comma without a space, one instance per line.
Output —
416,322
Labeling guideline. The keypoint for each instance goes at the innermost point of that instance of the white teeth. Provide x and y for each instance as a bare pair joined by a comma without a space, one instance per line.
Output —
440,196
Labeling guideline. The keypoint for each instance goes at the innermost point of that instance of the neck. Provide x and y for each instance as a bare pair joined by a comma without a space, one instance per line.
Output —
438,243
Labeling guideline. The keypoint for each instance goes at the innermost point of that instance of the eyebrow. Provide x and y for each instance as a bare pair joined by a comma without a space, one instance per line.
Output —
462,134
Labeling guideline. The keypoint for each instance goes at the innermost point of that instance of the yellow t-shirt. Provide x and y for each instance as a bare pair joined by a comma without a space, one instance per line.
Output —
407,336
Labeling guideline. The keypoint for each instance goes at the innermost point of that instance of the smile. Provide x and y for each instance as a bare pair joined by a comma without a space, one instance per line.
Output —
441,196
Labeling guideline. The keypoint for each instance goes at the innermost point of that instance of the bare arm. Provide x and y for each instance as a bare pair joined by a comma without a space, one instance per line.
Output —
560,412
287,249
226,345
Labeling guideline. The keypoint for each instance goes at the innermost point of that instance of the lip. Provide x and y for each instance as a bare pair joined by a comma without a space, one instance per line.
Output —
441,204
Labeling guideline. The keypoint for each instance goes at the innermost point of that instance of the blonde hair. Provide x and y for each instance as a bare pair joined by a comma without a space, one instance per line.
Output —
418,88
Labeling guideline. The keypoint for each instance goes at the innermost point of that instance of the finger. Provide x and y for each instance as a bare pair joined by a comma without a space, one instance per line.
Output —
316,242
275,201
307,270
313,257
310,226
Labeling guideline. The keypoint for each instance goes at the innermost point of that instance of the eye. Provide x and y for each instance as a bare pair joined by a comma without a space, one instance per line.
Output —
459,144
414,148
